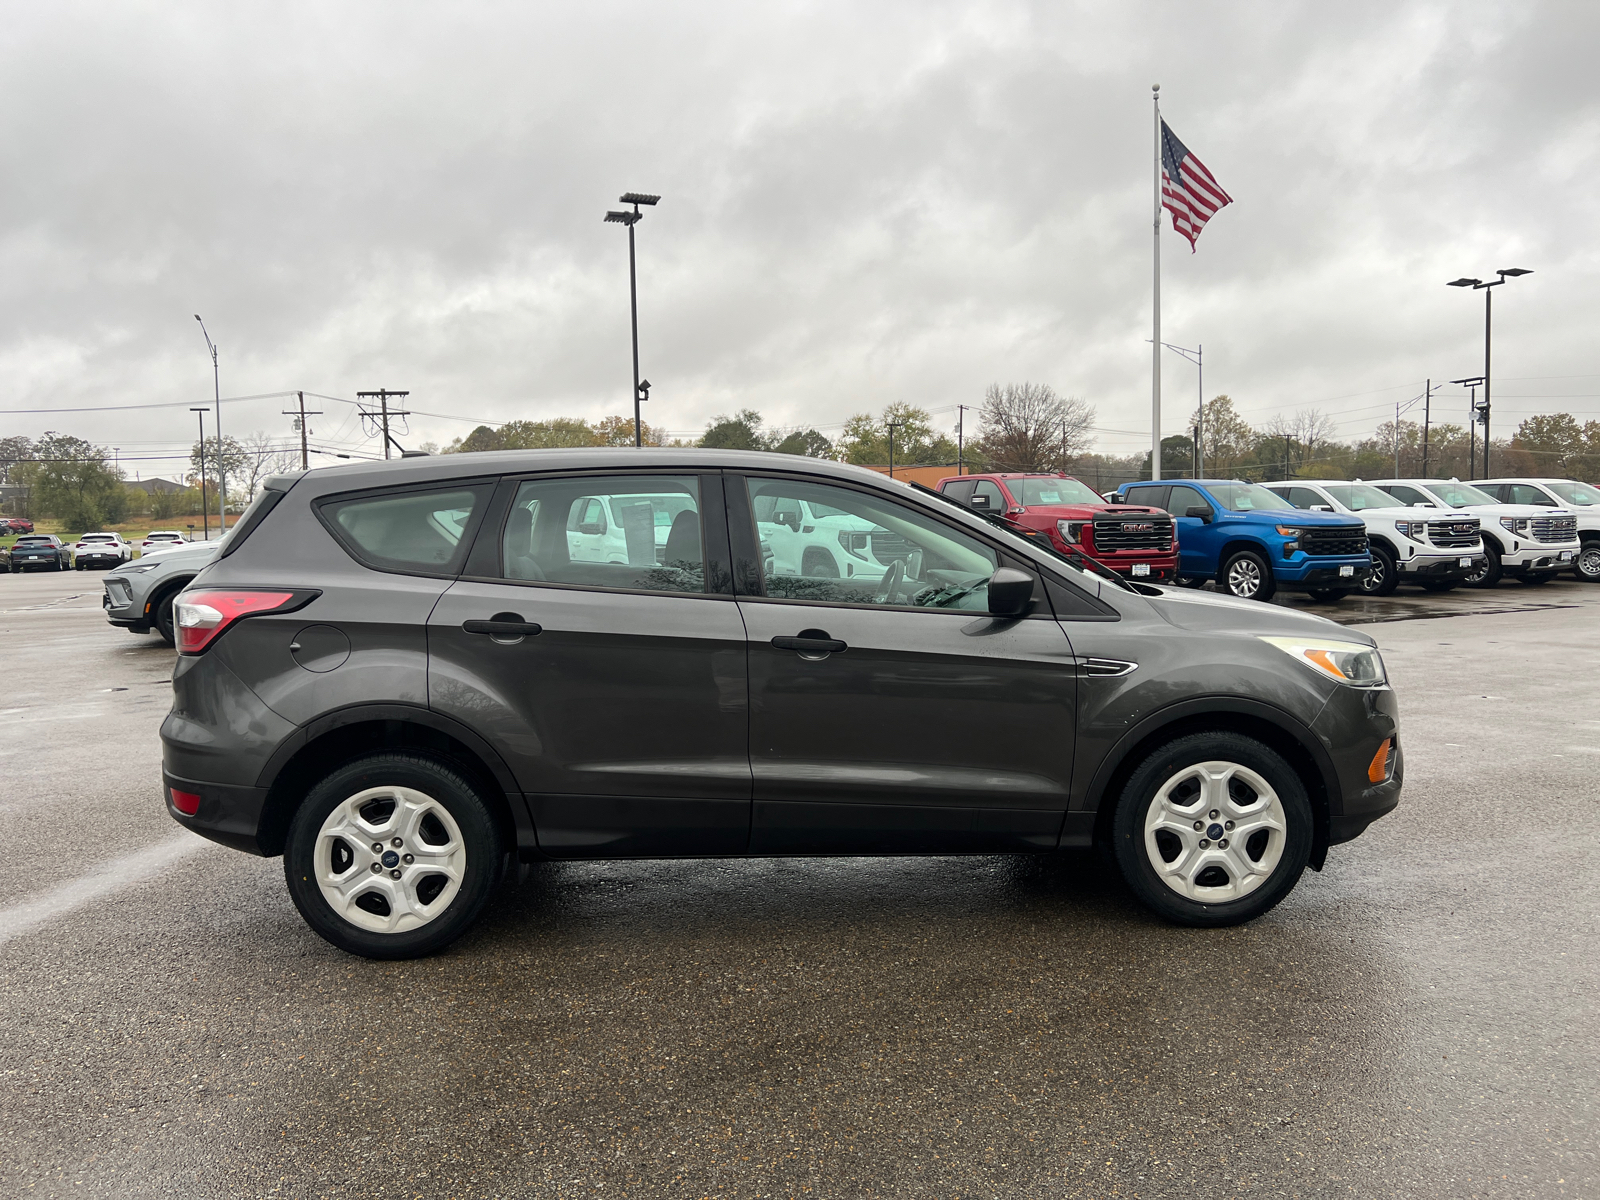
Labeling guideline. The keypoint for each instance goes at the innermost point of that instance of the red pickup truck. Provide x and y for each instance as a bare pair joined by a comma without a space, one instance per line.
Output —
1132,539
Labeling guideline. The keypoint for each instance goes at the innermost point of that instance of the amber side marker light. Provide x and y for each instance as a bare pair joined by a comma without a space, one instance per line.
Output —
1379,770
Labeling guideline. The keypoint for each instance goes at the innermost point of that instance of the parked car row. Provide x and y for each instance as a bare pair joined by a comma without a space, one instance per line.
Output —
1329,538
46,551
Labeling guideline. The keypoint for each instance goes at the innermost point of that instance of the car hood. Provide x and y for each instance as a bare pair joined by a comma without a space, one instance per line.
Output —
1087,512
1295,516
1517,510
191,553
1209,612
1402,513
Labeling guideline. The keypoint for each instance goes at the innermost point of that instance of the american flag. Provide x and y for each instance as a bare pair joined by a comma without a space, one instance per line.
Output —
1188,190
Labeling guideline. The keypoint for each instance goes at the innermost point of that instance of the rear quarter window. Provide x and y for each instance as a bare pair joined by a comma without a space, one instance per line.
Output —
416,531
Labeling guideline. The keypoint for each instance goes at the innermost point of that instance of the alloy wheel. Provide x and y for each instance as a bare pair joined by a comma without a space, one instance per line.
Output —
1588,564
1215,832
390,859
1244,578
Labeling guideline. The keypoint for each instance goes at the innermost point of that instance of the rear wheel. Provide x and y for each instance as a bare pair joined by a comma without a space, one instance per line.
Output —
1213,829
392,856
1587,567
164,619
1490,572
1329,595
1189,581
1247,576
1384,577
1439,585
1533,578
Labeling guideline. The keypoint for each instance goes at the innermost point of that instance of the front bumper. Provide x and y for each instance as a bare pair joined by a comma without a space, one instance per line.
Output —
1534,556
1352,726
1323,573
1438,566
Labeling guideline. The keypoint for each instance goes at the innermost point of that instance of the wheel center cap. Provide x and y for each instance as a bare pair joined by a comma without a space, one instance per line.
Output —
392,860
1212,831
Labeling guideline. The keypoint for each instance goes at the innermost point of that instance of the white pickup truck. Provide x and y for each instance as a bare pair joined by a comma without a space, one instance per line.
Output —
1435,550
1532,544
1582,498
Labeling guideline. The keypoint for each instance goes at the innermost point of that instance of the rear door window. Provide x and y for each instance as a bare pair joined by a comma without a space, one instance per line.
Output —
1151,496
1302,497
415,531
639,533
1526,493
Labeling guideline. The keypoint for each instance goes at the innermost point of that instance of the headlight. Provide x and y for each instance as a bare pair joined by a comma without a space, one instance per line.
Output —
854,543
1415,530
140,569
1347,662
1515,524
1070,531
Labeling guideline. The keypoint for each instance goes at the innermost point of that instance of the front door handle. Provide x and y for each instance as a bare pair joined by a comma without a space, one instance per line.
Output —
810,641
506,625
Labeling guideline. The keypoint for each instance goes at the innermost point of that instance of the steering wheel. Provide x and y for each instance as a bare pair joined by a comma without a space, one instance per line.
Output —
889,586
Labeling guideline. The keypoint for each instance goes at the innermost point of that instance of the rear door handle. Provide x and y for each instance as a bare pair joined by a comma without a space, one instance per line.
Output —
503,625
810,641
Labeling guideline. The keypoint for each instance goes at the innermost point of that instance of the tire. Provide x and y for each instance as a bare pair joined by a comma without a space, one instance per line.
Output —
1384,576
1329,595
818,564
1440,585
1587,566
163,622
1247,576
436,814
1189,581
1214,885
1491,572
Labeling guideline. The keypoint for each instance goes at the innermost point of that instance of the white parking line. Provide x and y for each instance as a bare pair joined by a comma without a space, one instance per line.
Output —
109,877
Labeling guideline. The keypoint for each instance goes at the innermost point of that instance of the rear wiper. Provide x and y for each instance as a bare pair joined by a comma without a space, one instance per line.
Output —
1082,561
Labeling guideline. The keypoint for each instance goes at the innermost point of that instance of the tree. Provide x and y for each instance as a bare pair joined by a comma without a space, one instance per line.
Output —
265,456
481,438
71,480
1226,439
618,431
865,439
1028,427
235,462
1177,458
1552,444
742,431
13,450
807,442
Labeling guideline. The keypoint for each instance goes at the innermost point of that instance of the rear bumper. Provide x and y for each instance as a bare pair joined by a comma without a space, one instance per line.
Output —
228,814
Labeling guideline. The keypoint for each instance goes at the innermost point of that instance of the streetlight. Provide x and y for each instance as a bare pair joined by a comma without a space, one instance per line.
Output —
641,387
892,426
1488,326
216,387
1475,416
1197,357
205,517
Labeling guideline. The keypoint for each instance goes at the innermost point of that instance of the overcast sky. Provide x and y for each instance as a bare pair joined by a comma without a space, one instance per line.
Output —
862,203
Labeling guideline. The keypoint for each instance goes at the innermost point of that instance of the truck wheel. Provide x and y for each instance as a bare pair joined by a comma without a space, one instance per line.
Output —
1189,581
1587,568
1489,574
1384,577
1247,576
392,856
1329,595
164,619
819,565
1212,829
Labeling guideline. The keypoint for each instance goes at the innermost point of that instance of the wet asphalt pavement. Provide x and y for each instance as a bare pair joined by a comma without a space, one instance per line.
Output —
1417,1020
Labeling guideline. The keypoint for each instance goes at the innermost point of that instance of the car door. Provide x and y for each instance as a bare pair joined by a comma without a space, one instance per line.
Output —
892,714
1197,550
615,691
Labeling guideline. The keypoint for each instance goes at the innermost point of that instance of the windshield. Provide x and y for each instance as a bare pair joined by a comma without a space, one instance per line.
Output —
1247,497
1047,490
1459,495
1358,497
1575,493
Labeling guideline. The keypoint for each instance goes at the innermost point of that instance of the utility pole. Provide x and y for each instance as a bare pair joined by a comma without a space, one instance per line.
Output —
893,425
300,424
382,396
205,515
961,428
216,388
1427,405
1195,435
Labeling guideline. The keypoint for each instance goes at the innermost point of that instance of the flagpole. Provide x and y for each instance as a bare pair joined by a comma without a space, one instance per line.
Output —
1155,304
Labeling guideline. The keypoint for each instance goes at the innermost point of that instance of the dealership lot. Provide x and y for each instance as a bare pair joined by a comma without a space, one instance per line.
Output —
1415,1021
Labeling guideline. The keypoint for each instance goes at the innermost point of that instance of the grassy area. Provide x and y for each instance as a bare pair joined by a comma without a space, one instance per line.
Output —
134,530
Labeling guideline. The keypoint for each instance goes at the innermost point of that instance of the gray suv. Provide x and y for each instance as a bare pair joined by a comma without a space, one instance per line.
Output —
404,676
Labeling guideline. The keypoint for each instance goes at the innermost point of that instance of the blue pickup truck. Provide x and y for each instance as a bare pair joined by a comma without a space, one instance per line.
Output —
1253,542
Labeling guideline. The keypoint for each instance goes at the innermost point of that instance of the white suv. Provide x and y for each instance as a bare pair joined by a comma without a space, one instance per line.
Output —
1437,550
100,550
1582,498
1531,543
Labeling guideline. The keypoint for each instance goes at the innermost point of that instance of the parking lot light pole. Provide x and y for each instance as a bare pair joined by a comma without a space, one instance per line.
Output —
216,389
1472,383
892,426
641,388
205,517
1488,338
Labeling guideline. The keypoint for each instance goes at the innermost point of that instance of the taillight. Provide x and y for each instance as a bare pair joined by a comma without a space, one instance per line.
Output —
202,616
185,802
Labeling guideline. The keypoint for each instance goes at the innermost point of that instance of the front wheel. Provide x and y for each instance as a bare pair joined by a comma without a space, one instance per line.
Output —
392,856
1189,581
1490,572
1213,829
1384,576
1247,576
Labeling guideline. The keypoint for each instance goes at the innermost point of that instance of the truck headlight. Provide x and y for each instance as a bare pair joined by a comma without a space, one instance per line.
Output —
1415,530
1348,662
1070,531
1518,525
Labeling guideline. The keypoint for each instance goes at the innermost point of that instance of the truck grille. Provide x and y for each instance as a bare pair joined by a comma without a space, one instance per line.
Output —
1555,529
1454,535
1133,533
1334,541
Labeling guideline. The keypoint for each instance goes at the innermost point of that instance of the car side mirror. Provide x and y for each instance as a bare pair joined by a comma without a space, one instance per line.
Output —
590,527
1322,508
1010,593
981,502
1201,511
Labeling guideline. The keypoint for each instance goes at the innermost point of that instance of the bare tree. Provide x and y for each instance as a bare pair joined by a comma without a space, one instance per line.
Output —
264,456
1028,427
